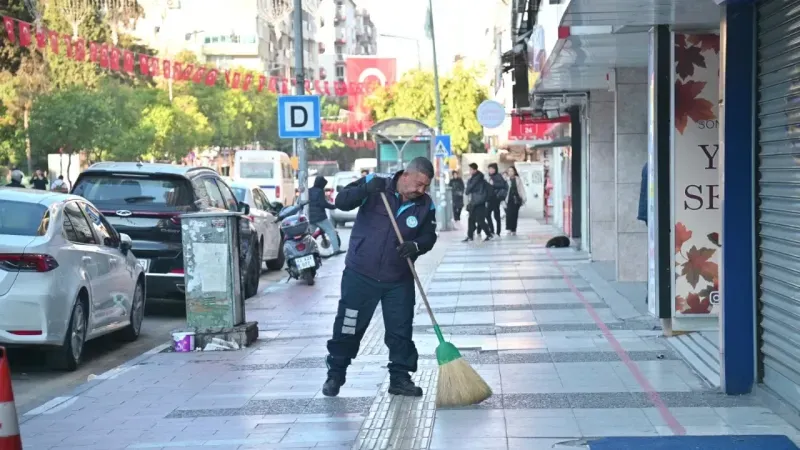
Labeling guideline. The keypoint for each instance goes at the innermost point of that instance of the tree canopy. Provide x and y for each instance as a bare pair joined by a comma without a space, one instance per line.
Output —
413,97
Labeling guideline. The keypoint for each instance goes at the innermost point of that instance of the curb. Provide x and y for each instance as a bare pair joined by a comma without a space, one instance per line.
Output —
76,392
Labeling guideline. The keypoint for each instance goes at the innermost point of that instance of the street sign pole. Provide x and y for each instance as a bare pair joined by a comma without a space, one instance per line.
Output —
300,143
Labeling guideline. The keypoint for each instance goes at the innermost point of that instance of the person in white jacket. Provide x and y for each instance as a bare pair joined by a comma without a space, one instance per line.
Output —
514,199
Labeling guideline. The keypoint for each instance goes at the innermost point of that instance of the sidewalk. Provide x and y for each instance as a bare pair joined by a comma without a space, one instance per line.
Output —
565,365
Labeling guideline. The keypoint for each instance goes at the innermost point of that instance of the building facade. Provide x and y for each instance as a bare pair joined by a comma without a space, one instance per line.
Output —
689,168
348,31
238,35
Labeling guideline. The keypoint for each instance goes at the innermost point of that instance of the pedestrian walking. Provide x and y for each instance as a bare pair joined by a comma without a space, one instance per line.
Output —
376,271
16,179
457,189
514,200
364,172
497,195
39,181
318,214
478,190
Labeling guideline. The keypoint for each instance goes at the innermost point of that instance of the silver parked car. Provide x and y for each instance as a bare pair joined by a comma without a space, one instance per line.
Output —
263,216
340,180
66,275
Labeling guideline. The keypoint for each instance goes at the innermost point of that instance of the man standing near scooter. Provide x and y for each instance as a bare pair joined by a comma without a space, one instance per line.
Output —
318,215
376,271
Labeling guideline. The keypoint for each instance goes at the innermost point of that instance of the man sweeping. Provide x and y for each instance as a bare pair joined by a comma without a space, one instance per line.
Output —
376,270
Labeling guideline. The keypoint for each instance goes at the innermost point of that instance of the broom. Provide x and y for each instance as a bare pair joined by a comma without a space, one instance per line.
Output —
459,384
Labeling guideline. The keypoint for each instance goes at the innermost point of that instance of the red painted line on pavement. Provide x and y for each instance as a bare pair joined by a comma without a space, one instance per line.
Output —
648,388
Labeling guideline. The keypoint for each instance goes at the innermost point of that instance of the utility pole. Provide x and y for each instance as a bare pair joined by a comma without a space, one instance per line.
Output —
446,210
299,72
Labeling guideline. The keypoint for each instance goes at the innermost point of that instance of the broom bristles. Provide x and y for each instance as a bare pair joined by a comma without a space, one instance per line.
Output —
460,385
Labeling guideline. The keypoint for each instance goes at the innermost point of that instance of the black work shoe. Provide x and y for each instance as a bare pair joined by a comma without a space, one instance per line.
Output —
488,238
468,239
404,387
331,387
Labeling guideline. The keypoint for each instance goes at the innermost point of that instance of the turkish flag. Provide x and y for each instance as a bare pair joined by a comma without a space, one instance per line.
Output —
144,65
104,56
248,80
262,81
128,61
114,56
80,50
199,75
24,34
68,44
211,77
53,35
364,74
94,52
10,25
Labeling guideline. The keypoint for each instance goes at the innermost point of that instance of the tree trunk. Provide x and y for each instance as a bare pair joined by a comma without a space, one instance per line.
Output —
26,120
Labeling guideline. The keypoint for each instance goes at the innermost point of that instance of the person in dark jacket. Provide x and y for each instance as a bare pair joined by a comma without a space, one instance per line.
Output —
16,179
317,212
497,196
457,189
478,190
39,181
643,196
376,271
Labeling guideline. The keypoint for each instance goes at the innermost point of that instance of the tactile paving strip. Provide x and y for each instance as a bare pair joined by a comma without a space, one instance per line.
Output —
396,422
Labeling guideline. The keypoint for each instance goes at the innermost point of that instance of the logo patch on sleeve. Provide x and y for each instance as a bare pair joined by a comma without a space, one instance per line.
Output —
411,222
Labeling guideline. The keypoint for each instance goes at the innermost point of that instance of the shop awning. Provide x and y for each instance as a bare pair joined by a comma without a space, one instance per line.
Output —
596,36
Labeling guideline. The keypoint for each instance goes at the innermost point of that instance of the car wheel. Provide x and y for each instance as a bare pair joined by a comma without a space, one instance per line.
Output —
132,331
254,273
68,356
277,264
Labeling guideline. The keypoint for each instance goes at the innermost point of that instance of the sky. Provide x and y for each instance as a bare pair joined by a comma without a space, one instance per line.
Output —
459,25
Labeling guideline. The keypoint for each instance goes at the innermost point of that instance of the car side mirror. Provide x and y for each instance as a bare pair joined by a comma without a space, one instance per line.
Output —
244,208
125,243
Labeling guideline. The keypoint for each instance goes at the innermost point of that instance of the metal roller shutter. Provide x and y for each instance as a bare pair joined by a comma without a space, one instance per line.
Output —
778,79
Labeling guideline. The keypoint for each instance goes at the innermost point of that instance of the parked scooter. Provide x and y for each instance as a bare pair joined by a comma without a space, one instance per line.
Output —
299,246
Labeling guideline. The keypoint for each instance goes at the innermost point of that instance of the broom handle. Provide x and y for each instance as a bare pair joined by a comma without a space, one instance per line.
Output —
408,260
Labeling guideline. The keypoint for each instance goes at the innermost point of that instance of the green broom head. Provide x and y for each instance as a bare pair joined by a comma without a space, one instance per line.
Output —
447,352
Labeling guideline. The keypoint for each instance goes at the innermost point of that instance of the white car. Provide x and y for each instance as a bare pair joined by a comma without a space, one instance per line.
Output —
263,216
340,180
66,275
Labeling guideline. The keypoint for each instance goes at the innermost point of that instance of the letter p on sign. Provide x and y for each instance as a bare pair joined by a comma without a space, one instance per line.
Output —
299,117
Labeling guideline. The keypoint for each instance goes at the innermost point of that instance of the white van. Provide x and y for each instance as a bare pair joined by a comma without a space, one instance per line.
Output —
360,164
271,170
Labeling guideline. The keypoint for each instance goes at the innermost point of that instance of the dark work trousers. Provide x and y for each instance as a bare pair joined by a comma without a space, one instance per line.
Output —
360,297
477,219
512,216
493,210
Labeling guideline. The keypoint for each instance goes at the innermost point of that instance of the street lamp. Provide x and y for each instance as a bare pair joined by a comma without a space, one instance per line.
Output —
406,38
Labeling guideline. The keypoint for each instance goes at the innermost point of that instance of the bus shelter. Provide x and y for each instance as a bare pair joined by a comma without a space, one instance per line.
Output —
399,140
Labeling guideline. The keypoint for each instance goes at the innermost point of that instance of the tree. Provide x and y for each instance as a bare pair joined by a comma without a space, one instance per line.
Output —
124,137
11,53
18,91
413,97
72,119
178,127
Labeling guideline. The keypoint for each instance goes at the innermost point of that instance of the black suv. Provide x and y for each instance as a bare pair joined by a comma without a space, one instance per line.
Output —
145,201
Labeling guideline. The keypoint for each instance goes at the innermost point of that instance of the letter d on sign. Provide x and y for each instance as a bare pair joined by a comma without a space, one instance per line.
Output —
298,116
